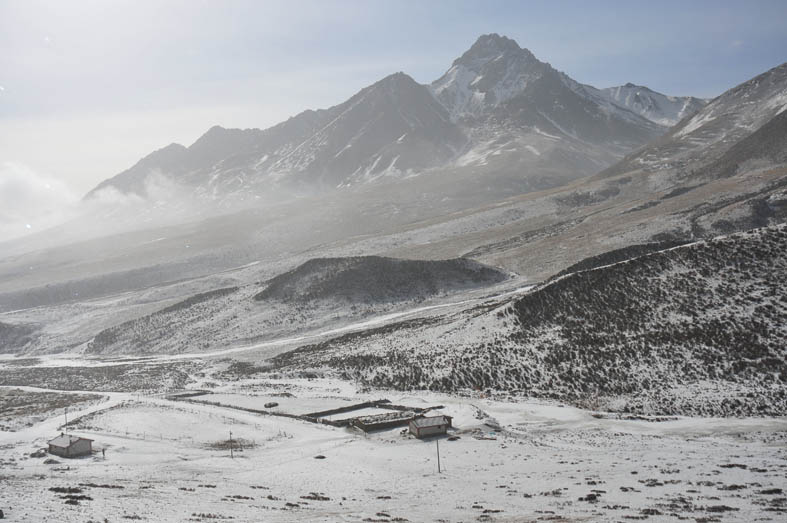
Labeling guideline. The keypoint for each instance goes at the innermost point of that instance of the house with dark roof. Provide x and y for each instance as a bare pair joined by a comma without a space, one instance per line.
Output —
68,446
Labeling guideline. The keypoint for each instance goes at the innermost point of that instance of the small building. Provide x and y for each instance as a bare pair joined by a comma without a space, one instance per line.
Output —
425,426
67,446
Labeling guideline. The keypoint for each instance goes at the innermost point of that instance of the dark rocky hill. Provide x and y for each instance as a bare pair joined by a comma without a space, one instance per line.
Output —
372,279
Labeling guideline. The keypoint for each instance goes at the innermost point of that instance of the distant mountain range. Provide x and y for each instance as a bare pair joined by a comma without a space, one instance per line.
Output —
497,109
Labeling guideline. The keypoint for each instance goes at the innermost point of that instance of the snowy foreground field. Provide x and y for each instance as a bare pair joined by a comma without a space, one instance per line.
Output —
168,460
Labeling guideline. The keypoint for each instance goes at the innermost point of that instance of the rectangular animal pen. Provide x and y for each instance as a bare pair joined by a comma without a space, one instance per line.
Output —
383,421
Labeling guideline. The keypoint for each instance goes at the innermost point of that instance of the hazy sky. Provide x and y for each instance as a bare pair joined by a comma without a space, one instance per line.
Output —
89,87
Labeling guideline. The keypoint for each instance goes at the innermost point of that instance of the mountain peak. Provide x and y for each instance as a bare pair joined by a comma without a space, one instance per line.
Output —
396,84
630,85
173,148
493,70
497,41
399,79
490,47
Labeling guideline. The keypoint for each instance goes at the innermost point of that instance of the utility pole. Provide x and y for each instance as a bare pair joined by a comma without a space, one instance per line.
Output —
438,456
231,455
65,413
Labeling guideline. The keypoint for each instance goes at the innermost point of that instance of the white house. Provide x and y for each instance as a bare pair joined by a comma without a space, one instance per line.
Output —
68,446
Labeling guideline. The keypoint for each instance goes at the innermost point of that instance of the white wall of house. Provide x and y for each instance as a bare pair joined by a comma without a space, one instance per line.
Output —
424,432
81,447
434,429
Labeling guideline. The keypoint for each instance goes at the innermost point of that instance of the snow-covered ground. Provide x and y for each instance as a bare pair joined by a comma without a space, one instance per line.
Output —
513,461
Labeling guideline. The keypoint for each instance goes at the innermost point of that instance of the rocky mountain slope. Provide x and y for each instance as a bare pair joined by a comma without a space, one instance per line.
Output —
693,329
393,125
704,137
765,147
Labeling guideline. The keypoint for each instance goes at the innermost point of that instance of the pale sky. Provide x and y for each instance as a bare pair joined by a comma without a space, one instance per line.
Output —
89,87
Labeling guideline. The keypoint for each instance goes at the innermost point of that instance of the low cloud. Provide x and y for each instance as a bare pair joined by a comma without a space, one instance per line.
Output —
31,201
162,200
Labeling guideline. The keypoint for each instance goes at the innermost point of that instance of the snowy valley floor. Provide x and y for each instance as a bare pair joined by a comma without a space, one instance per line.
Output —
513,461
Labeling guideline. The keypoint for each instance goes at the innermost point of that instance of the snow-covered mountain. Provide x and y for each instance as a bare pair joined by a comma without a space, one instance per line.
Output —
497,83
498,110
492,71
705,136
495,70
656,107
